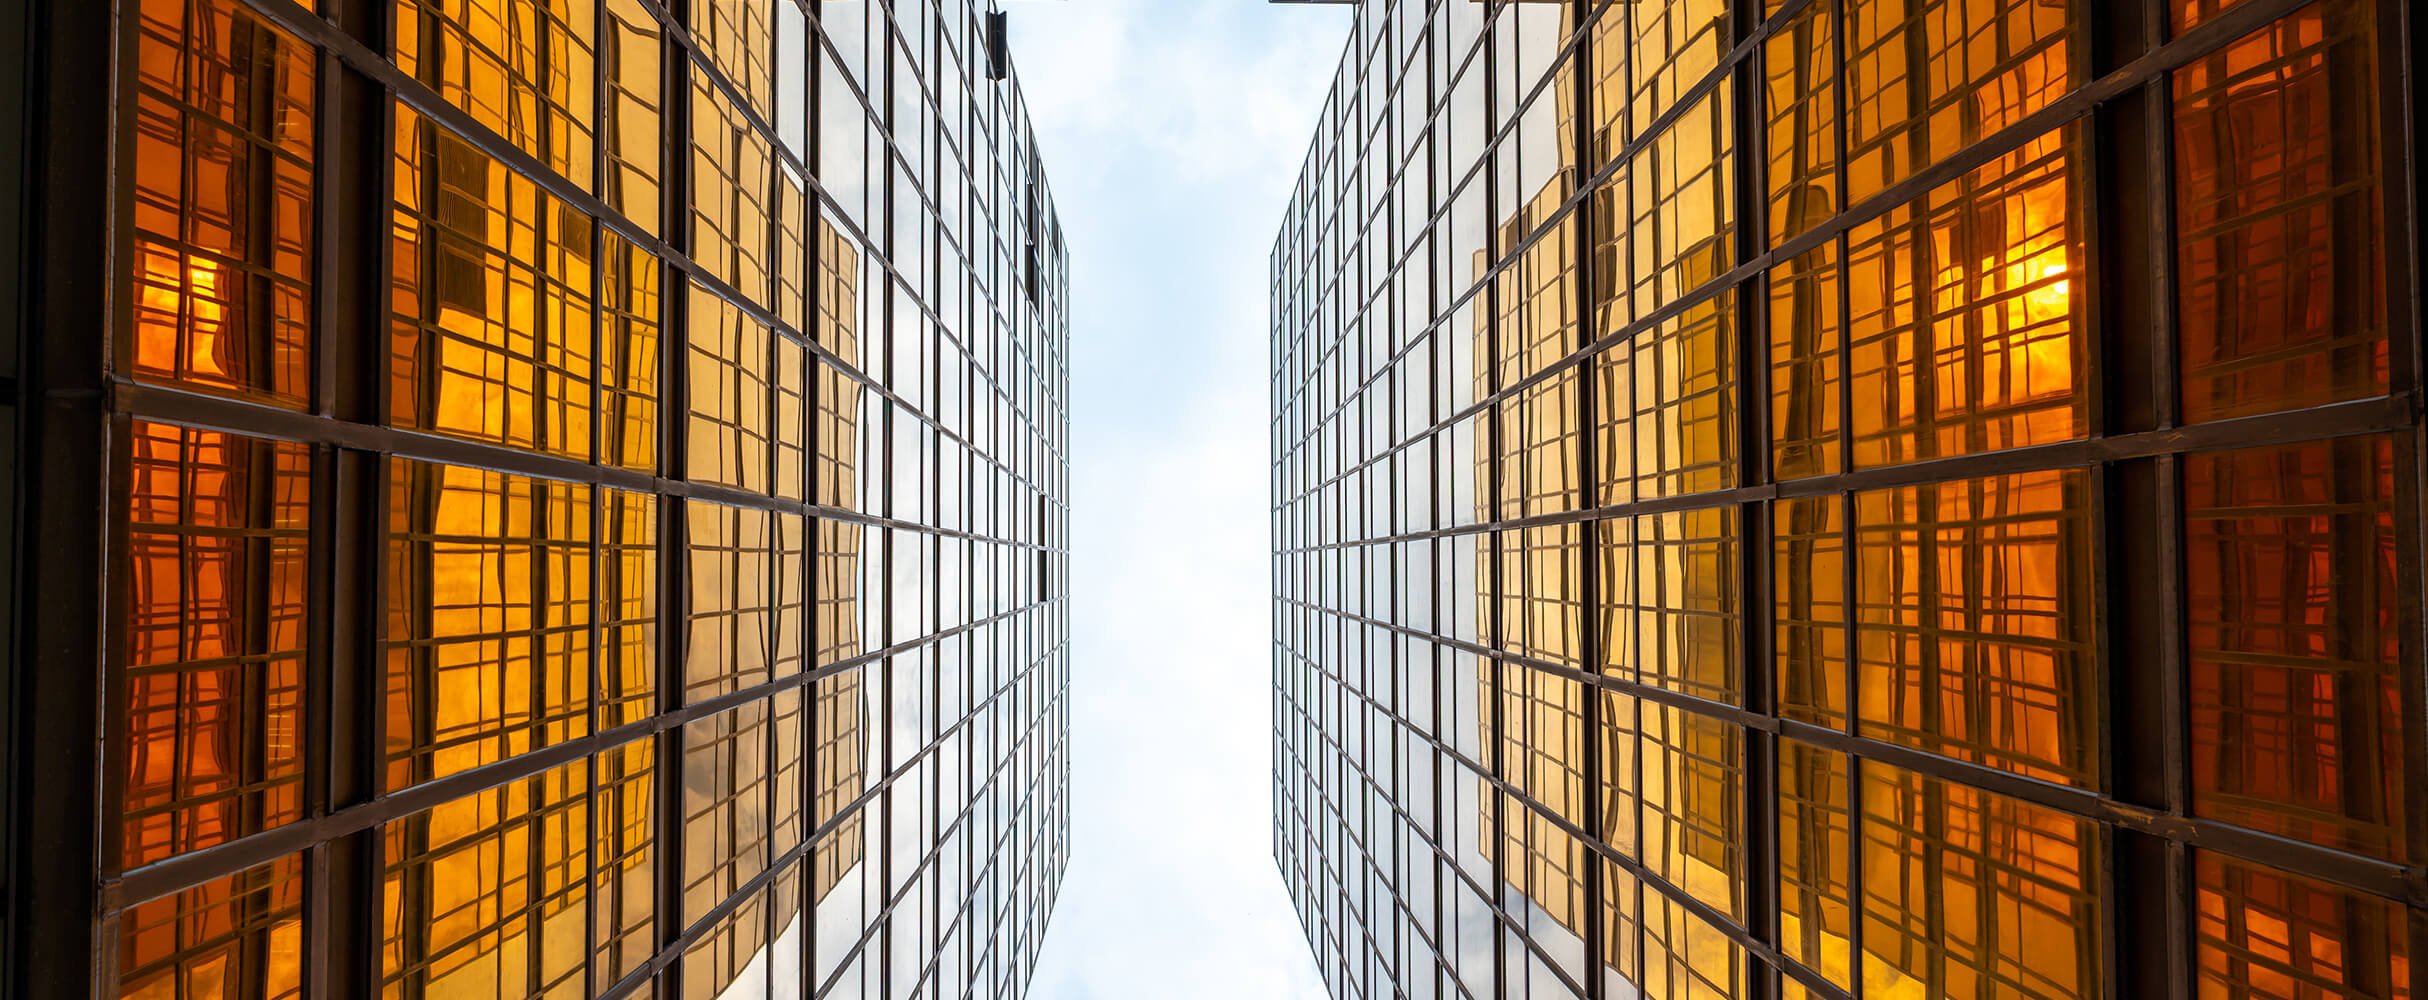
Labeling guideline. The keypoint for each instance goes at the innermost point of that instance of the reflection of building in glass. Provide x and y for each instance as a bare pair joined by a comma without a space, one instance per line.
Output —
568,501
2054,676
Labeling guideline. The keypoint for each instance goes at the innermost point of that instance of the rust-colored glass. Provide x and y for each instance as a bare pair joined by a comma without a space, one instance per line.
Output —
488,895
2295,643
1808,578
211,746
632,114
1965,333
2279,215
2270,935
493,326
489,612
1816,889
730,428
624,894
725,635
524,69
221,192
1925,78
725,821
1974,629
1806,377
237,937
1971,894
631,304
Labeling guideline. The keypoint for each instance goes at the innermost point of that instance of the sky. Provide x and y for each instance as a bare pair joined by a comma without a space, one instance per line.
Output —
1172,132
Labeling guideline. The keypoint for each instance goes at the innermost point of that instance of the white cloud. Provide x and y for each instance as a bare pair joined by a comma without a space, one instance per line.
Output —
1172,132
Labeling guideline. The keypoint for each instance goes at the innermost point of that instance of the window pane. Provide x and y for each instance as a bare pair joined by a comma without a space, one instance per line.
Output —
2268,935
238,936
525,69
223,258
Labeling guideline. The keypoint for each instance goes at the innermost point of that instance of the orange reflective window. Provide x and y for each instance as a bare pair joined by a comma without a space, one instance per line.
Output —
1808,579
1974,622
2266,934
2279,217
223,256
212,740
238,936
487,895
1925,78
2296,652
525,69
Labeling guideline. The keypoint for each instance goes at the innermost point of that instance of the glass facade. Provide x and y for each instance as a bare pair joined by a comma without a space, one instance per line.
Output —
1854,499
583,493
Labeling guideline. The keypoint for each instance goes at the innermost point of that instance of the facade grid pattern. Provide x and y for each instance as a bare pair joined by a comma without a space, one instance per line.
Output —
1832,499
583,506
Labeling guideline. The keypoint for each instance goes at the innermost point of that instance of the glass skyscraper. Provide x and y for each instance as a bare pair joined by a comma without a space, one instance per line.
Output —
1855,499
531,498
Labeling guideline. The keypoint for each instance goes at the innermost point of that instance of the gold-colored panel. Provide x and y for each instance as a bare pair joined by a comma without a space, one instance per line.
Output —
2269,935
1966,332
1816,889
731,430
1808,582
489,605
211,746
221,189
631,325
487,896
240,936
2296,644
726,641
1975,613
1971,894
1925,78
632,119
524,69
2279,216
725,802
492,318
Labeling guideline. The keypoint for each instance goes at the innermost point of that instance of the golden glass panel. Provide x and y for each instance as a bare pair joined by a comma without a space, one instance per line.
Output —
1541,754
789,640
492,330
221,193
632,116
2269,935
1541,593
238,936
1686,957
488,895
1808,582
732,183
1536,292
837,775
1926,78
725,641
524,69
793,271
835,592
631,305
1816,912
2295,643
717,964
1665,405
790,753
789,381
1692,770
624,900
489,607
1619,745
2279,216
1608,90
1668,601
738,37
732,402
1800,68
725,822
834,482
1975,614
1965,333
1806,379
1676,45
217,555
1542,443
1968,894
1682,218
628,607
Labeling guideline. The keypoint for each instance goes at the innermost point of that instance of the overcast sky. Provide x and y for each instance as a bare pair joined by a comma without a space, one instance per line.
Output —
1172,131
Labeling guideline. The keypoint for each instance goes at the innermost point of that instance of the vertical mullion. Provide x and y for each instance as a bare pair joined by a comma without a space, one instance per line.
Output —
1589,597
1759,861
674,415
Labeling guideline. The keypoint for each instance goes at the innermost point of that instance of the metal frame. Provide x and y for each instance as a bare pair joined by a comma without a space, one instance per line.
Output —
84,410
2135,442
